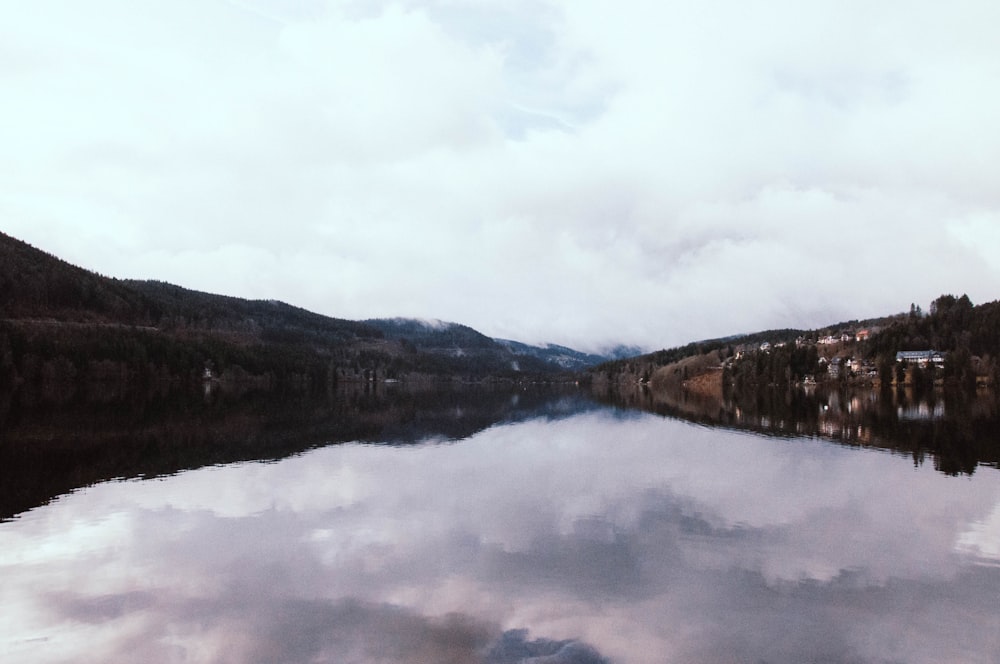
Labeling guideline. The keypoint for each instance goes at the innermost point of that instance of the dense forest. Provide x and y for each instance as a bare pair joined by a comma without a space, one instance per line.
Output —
67,334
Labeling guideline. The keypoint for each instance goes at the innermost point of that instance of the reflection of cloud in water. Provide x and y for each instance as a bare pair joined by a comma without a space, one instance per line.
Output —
649,539
982,538
248,627
514,648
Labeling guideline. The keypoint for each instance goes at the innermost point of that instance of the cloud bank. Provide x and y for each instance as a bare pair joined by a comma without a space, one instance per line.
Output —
575,172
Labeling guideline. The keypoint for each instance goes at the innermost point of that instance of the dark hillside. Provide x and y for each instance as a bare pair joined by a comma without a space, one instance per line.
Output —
432,335
176,308
68,335
34,284
953,323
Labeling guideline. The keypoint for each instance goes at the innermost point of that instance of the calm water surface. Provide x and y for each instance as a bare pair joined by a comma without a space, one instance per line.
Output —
599,536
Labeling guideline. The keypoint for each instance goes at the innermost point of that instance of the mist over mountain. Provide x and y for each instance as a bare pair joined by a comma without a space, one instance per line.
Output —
446,338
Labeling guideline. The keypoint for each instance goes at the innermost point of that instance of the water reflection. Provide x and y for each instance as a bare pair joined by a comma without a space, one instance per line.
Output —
957,431
600,536
49,450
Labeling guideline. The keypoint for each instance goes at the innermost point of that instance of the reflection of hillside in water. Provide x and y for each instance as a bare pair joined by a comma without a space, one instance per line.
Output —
49,450
958,431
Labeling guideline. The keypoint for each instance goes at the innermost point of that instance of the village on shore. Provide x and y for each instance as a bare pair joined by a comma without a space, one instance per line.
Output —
840,357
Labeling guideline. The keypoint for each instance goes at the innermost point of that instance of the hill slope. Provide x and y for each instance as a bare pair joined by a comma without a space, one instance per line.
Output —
965,336
68,333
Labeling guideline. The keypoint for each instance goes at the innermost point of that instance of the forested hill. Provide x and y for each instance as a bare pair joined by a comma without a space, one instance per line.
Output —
964,338
36,285
641,367
68,333
171,307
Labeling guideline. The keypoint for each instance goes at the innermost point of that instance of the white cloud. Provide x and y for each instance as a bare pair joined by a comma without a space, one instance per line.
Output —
578,172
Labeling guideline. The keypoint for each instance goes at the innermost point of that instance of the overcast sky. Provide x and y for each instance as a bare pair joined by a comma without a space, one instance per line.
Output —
583,172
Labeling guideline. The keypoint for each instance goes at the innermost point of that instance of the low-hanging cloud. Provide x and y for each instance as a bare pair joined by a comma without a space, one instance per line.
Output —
583,173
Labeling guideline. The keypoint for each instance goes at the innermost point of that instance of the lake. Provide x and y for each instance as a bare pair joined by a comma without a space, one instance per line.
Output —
497,527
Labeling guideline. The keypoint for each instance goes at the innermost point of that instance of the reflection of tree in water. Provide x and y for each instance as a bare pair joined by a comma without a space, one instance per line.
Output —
49,450
959,431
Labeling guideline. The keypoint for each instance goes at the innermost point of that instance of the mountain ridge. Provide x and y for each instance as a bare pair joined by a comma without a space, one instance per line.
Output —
66,330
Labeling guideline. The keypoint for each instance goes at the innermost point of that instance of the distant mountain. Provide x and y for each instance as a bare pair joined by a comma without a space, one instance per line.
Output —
67,333
620,352
567,358
455,340
433,335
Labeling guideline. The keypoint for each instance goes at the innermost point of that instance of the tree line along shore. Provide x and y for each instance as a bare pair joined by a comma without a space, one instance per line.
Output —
955,344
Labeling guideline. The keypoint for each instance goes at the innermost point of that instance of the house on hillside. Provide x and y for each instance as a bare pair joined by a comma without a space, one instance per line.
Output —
921,358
